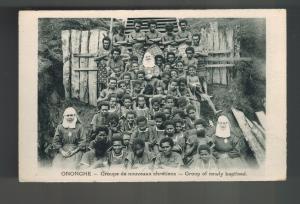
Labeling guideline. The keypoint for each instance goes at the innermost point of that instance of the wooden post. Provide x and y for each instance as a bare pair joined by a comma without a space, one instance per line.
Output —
84,92
92,76
250,138
75,47
65,37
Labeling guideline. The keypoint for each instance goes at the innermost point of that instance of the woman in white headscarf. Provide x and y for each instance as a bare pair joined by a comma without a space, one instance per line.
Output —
227,147
69,141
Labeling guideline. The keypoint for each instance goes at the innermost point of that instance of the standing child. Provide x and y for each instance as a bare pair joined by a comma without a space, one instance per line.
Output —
155,106
114,106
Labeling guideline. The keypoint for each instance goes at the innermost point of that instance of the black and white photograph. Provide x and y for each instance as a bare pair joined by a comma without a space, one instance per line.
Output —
153,96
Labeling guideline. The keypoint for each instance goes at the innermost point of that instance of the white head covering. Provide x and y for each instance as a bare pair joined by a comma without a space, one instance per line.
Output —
148,60
67,124
223,132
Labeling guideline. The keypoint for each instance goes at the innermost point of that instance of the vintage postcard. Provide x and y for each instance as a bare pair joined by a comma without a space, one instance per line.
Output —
152,95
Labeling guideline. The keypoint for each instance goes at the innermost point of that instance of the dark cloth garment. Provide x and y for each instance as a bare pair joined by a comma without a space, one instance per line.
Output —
147,159
173,161
228,151
69,139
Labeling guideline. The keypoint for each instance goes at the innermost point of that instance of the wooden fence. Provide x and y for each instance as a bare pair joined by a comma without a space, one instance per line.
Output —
80,74
81,84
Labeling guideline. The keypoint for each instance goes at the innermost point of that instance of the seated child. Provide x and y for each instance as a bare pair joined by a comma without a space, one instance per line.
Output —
126,141
100,118
141,108
155,106
167,158
114,125
140,157
173,88
191,117
96,157
181,73
190,153
118,156
129,124
159,119
137,88
112,88
205,159
168,112
127,105
145,132
179,142
114,106
159,61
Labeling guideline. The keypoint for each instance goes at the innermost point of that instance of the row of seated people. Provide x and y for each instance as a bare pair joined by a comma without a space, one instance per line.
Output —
136,142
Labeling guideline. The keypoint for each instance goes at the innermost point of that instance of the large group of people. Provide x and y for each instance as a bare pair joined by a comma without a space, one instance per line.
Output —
151,86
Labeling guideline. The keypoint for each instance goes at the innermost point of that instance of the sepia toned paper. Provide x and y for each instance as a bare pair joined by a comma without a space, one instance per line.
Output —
272,168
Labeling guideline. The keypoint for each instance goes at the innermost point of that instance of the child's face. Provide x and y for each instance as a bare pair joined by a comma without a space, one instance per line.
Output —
135,66
152,27
113,123
170,130
183,26
122,86
166,149
167,67
159,122
166,78
137,27
130,118
142,125
159,90
159,61
170,102
141,102
171,58
115,55
106,44
112,84
174,75
137,88
140,77
101,136
113,102
196,40
127,79
180,67
199,127
117,70
182,85
104,109
167,112
192,71
192,114
189,54
178,127
126,139
204,155
117,147
127,103
173,85
138,150
156,106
